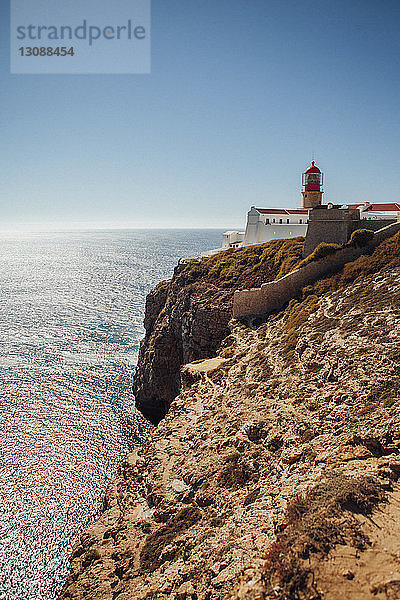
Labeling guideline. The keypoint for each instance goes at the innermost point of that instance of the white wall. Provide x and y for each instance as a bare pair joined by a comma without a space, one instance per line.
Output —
258,231
232,239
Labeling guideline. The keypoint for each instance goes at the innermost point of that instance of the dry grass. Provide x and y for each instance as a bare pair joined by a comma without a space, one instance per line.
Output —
321,251
243,268
316,523
385,393
385,257
235,472
151,554
297,313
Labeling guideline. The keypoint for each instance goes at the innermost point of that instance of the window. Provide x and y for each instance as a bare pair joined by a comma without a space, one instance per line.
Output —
280,221
301,220
287,221
267,221
273,220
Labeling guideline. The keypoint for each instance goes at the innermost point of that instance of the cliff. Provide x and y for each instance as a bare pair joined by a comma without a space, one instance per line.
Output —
274,473
187,317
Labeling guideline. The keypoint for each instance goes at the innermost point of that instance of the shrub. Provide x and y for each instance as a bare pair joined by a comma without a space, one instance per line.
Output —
235,473
316,523
361,237
150,556
321,251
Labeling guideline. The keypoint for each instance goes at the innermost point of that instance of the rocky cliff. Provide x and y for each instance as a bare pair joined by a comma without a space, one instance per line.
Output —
187,317
274,473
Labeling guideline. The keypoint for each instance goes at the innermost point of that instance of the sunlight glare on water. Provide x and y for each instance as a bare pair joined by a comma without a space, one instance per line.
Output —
72,308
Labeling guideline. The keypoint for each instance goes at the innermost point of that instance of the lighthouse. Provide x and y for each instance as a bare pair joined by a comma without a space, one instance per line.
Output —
317,222
312,181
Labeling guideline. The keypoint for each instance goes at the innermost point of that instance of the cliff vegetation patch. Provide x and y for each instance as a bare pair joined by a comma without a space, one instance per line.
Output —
321,251
236,472
316,523
151,556
246,267
385,257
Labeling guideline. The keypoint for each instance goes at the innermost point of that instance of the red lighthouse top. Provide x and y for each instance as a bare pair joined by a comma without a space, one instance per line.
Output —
312,179
313,168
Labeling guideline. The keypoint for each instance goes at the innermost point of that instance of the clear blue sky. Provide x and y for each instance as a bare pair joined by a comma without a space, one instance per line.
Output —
241,94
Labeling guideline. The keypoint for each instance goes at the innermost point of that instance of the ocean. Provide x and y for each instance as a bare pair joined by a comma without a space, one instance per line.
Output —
72,306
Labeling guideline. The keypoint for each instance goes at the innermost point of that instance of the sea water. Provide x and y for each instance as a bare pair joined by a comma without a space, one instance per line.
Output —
72,306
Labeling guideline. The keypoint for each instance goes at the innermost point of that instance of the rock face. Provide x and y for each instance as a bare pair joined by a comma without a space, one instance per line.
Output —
311,396
187,317
180,328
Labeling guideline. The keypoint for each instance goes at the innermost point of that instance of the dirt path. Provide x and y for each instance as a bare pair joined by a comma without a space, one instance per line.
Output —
373,573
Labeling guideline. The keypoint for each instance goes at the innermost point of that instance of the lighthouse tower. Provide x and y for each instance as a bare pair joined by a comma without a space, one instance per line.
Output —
312,187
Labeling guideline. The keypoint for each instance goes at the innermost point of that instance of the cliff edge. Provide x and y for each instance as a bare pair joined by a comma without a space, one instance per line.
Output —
274,473
187,317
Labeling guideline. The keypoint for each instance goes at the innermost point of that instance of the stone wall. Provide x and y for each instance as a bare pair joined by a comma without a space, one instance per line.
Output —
331,225
336,225
275,294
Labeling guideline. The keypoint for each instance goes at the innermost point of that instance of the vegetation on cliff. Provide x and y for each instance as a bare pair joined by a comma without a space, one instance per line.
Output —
321,251
384,258
243,268
187,317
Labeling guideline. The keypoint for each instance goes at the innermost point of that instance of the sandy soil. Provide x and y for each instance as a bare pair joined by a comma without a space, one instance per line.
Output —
372,573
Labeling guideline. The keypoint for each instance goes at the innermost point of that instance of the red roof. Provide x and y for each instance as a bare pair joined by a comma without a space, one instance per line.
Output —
313,168
282,211
388,207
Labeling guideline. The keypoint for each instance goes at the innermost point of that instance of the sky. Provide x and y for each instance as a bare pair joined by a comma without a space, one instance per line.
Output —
241,96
